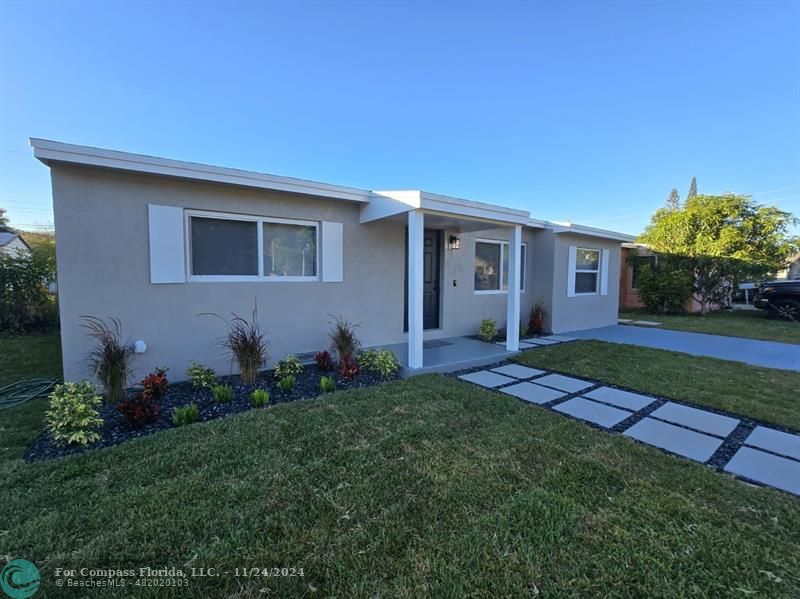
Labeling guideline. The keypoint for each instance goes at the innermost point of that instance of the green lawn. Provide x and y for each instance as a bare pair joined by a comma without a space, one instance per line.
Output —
429,486
752,324
761,393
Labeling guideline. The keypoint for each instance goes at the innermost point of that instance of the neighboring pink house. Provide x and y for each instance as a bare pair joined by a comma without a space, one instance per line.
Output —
628,293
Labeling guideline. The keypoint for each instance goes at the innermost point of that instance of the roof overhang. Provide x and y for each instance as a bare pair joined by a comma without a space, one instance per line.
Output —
386,204
50,152
559,228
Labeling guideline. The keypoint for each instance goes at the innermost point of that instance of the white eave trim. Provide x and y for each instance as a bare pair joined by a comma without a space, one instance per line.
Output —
53,151
558,228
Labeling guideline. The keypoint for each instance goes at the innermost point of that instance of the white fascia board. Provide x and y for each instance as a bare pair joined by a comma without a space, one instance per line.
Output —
384,204
477,210
589,231
53,151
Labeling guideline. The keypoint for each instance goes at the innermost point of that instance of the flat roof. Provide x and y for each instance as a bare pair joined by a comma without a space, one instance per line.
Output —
49,151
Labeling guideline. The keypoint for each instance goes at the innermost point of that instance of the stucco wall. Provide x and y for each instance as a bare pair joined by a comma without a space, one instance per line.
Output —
583,311
102,251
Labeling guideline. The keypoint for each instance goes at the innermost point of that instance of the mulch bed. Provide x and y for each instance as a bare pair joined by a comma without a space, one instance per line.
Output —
116,430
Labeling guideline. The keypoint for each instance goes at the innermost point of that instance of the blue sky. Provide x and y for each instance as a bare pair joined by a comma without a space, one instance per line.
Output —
583,111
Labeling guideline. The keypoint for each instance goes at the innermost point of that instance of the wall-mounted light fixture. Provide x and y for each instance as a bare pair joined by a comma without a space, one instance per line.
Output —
454,243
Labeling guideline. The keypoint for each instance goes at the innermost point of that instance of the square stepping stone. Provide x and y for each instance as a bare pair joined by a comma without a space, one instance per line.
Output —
699,420
624,320
559,338
533,393
647,323
585,409
564,383
689,444
621,399
781,473
517,371
484,378
526,345
541,341
775,441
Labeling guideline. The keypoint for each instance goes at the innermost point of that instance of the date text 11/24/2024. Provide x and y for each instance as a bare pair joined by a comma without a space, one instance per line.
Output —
248,572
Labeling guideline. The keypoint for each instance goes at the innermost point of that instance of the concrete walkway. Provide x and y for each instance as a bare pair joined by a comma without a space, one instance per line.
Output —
752,451
769,354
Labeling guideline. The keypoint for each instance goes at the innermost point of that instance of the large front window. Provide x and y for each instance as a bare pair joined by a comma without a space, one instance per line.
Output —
235,247
491,266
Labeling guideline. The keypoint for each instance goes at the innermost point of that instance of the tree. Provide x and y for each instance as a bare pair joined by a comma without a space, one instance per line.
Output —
692,189
723,240
674,200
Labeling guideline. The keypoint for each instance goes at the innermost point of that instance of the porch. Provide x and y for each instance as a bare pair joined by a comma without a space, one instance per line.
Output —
449,310
450,354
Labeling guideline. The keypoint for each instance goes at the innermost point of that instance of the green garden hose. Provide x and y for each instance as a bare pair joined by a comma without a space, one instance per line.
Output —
18,393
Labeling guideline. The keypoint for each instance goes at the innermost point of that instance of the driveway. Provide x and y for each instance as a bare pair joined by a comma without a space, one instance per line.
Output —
769,354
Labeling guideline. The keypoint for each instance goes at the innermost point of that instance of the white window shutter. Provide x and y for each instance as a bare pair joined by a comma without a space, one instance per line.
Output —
573,256
332,252
604,272
167,248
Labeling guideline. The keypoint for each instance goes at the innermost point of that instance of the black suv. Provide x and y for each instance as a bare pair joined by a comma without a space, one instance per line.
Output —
781,298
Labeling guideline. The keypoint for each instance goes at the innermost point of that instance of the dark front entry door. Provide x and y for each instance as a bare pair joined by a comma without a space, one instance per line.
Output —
431,288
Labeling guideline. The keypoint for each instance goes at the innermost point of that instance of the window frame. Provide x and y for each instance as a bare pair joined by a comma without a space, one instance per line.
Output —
260,221
590,271
501,243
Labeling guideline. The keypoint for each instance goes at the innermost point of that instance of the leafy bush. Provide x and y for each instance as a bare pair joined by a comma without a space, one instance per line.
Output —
111,359
324,361
327,384
222,393
259,398
380,361
344,342
664,289
537,318
72,417
286,384
289,366
201,377
246,345
185,415
139,410
488,330
523,330
156,383
349,368
25,302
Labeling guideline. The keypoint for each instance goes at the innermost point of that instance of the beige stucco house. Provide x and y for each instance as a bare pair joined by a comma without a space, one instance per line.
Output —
157,243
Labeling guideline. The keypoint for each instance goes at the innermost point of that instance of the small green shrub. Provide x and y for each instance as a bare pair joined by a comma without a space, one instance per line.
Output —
286,384
380,361
185,415
327,384
201,377
222,393
73,418
289,366
488,330
259,398
665,289
523,330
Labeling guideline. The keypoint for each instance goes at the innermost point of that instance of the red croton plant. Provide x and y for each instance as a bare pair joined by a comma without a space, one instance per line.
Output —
142,408
348,368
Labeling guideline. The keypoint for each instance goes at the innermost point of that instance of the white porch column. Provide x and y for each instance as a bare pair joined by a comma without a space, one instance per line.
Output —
512,315
416,240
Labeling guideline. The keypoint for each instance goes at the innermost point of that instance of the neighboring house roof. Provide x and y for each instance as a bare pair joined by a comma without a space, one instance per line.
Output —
7,238
376,205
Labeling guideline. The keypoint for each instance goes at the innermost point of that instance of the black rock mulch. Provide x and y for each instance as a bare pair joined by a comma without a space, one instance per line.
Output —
116,430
